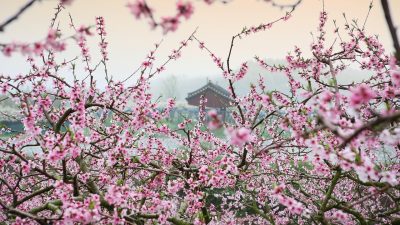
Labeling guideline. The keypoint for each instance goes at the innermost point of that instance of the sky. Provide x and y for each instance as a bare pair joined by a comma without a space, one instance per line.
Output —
130,40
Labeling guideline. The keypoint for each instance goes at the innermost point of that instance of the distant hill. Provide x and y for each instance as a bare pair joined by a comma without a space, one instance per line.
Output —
179,86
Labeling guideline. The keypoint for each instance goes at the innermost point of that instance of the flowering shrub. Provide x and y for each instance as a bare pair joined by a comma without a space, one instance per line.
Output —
322,153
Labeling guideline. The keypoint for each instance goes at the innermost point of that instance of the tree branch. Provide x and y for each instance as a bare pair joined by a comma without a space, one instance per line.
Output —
15,17
392,28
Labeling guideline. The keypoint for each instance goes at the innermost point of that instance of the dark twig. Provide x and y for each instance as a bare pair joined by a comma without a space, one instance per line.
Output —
370,125
392,28
16,16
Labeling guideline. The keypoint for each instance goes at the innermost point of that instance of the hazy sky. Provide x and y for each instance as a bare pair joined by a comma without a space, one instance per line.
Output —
131,39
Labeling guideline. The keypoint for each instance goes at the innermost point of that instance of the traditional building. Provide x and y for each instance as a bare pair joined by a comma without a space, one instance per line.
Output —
217,97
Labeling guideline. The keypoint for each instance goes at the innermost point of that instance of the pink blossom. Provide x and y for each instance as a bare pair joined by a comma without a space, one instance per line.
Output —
26,168
169,24
214,120
239,136
84,30
389,177
279,189
66,2
340,216
327,97
293,206
184,9
361,94
139,8
38,48
106,152
395,74
9,49
51,36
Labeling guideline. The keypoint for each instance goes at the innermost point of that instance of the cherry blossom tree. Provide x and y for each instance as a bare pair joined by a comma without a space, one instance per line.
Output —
322,153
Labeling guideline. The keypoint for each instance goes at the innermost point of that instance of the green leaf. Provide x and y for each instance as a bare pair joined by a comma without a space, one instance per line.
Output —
120,182
92,204
358,158
296,185
309,87
135,159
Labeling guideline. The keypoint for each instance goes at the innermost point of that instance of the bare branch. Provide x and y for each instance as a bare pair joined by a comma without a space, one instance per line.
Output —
17,15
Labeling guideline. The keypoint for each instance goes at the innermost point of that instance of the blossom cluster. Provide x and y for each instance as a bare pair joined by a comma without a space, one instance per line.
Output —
323,152
140,8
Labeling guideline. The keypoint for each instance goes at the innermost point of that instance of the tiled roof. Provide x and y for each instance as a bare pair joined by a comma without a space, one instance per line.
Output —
214,87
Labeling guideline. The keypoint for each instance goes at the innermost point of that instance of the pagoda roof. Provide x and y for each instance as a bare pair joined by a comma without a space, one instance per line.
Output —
214,87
